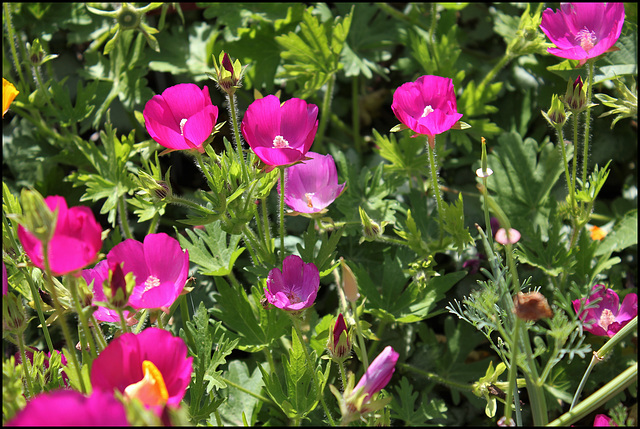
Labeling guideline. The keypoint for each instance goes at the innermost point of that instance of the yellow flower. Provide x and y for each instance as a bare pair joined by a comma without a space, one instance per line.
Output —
9,92
597,233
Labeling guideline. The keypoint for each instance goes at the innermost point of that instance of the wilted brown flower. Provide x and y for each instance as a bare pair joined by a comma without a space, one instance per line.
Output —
531,306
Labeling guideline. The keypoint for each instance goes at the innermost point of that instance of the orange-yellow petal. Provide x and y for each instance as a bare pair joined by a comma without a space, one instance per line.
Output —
151,390
597,233
9,92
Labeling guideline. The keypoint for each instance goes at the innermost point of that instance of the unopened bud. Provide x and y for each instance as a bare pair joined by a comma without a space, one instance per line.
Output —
349,282
531,306
556,112
576,96
339,344
128,17
228,74
118,287
36,217
370,229
13,316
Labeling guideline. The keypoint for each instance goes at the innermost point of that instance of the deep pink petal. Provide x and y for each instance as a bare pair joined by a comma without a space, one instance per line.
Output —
628,309
278,156
199,127
167,136
261,122
275,282
299,120
379,372
185,100
131,252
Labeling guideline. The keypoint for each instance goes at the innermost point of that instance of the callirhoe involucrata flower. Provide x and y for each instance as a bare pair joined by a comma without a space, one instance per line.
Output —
295,287
151,366
312,185
183,117
75,243
581,31
607,317
280,134
72,408
427,106
98,275
160,267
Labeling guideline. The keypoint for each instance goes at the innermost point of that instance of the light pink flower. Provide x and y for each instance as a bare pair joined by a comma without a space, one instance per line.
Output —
501,236
72,408
378,374
608,316
76,241
295,287
280,134
160,266
312,185
151,366
427,106
582,31
182,117
98,275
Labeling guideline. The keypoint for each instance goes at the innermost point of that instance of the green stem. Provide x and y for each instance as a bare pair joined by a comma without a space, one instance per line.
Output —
431,147
123,321
266,225
436,378
141,322
587,124
236,132
574,162
494,71
585,377
513,370
355,113
325,114
610,390
363,349
343,374
566,166
12,43
122,215
100,338
282,191
272,364
203,168
26,367
153,225
81,316
515,280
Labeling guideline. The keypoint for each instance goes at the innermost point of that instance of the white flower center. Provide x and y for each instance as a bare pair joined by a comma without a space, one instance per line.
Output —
308,196
606,319
587,39
280,142
151,282
427,110
182,124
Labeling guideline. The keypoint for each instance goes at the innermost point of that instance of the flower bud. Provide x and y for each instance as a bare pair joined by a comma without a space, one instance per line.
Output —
228,74
118,287
370,229
556,113
531,306
156,189
36,217
13,316
576,96
128,17
349,282
339,344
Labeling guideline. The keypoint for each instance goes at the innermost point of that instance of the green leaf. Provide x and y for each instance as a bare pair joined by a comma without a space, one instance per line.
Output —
453,222
302,392
624,234
403,406
239,403
209,249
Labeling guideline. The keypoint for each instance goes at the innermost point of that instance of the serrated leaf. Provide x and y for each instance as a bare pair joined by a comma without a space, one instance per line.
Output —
453,222
238,404
623,235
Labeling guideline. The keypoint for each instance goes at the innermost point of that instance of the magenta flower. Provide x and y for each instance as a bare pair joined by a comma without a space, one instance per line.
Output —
280,134
182,117
295,287
602,420
98,275
339,344
582,31
151,366
608,316
312,185
378,374
76,241
71,408
159,265
426,106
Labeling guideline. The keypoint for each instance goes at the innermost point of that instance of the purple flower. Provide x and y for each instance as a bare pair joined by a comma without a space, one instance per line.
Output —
98,275
295,287
608,316
426,106
71,408
378,374
181,118
151,366
160,266
312,185
280,134
76,240
582,31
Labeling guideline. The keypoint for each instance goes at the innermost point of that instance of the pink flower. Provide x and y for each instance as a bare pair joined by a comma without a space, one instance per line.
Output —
76,241
501,236
312,185
378,374
426,106
295,287
280,134
602,420
151,366
182,117
607,317
582,31
159,265
98,275
71,408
